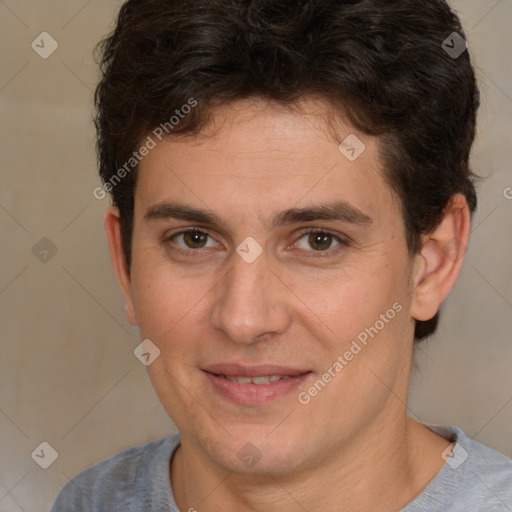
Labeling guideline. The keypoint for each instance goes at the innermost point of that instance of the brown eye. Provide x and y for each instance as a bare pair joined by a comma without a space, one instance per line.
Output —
320,241
195,239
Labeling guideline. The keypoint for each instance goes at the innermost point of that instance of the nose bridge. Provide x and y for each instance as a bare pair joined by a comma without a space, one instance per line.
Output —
251,301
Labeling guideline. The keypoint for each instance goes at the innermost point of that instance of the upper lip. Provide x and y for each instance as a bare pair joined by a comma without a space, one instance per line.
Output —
238,370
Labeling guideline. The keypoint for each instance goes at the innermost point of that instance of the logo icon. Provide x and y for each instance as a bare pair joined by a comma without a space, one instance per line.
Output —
44,250
452,249
249,249
146,352
45,455
454,45
249,455
454,455
351,147
44,45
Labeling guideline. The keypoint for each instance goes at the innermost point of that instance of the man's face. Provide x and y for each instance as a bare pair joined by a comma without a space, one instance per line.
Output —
214,305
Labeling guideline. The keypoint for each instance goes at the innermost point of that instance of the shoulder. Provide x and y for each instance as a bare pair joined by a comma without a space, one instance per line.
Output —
488,469
110,484
475,477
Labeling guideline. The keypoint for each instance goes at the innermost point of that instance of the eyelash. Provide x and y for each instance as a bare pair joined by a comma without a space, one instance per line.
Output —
319,254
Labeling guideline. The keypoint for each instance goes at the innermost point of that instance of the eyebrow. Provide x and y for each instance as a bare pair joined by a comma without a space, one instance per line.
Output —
331,211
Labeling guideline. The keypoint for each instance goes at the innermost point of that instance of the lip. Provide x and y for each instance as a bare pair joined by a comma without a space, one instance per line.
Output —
249,393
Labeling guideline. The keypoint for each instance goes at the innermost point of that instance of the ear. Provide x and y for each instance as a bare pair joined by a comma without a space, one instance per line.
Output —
438,264
112,225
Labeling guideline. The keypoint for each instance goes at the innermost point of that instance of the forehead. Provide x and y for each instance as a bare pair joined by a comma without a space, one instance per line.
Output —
255,155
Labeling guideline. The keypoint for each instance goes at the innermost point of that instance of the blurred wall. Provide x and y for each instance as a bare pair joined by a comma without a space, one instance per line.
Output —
68,375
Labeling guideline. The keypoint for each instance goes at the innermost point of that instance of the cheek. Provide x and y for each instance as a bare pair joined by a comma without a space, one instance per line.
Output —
356,297
368,316
162,298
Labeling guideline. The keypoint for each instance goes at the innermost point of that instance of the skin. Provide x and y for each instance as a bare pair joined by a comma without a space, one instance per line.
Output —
353,443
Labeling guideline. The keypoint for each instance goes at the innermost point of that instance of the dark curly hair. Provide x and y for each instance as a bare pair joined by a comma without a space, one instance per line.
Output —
379,62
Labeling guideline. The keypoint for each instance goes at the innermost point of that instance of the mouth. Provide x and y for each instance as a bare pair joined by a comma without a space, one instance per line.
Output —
263,379
254,385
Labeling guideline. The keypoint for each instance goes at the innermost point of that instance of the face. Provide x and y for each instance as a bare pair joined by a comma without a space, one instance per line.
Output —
272,283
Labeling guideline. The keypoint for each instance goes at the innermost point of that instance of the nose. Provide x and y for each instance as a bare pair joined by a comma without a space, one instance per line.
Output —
252,303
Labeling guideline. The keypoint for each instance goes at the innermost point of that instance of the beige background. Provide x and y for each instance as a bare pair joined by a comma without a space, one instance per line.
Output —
68,375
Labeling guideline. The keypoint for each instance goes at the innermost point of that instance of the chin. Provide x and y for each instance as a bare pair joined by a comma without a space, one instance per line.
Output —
254,451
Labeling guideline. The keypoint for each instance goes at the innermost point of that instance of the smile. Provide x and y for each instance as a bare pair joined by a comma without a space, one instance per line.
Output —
254,389
255,380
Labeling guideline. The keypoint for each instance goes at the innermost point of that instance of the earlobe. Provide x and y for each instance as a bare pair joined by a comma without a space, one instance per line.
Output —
439,262
112,223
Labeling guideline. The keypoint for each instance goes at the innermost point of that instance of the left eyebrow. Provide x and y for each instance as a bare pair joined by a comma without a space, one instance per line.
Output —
332,211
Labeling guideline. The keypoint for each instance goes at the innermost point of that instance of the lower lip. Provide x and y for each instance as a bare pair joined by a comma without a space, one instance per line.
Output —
255,394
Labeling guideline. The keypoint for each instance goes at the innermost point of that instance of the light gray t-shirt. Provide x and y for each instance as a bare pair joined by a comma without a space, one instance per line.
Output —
474,478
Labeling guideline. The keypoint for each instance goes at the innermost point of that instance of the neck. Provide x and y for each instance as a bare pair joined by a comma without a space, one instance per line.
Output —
386,466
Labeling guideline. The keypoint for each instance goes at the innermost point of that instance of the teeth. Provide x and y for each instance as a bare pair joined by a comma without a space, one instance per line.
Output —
240,380
256,380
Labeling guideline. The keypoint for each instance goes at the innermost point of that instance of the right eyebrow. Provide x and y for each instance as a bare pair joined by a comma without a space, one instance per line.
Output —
175,210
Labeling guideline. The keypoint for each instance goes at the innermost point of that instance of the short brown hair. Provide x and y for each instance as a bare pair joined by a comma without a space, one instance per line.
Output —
381,61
